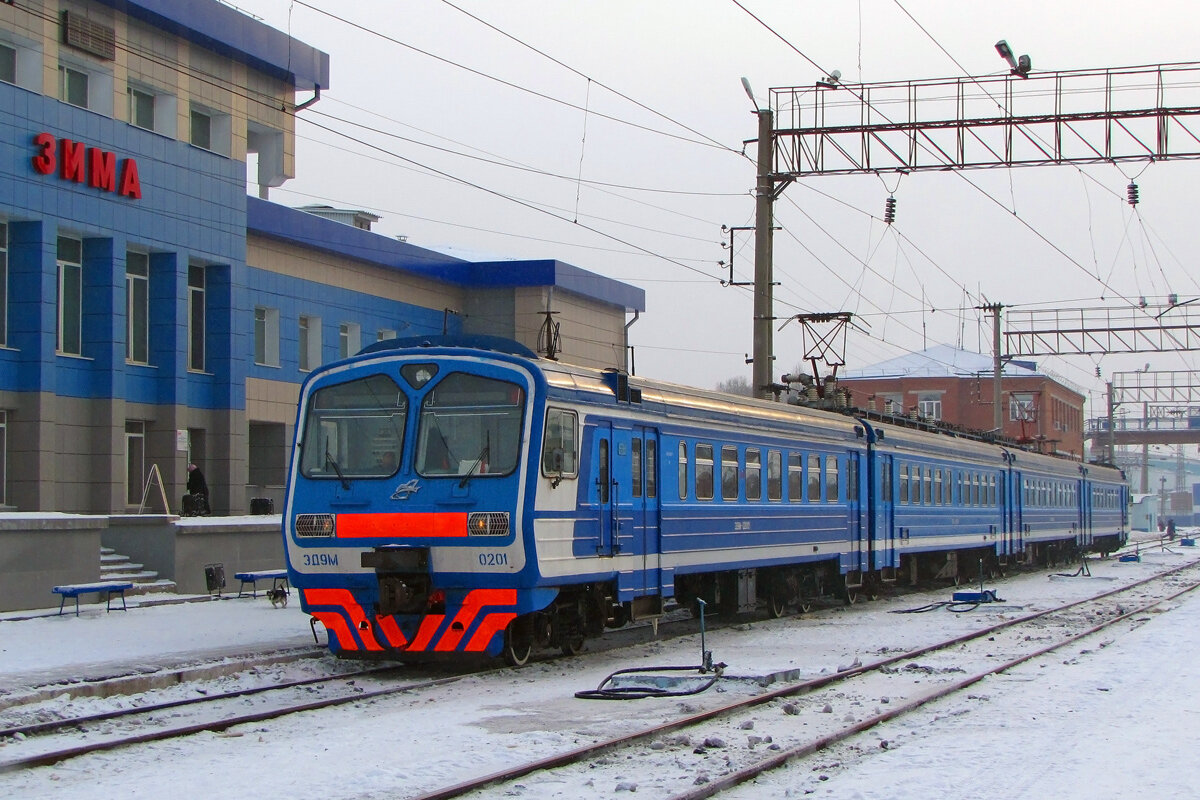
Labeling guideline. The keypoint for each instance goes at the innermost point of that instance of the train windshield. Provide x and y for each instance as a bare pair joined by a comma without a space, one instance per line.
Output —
354,429
470,425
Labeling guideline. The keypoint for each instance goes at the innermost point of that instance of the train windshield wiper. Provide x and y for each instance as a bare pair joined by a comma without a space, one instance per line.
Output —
483,454
329,462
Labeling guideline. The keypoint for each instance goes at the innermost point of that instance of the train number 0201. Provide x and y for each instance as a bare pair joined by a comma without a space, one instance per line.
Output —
493,559
320,559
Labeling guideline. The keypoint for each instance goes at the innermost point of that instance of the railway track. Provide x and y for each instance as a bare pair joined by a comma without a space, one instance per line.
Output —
702,755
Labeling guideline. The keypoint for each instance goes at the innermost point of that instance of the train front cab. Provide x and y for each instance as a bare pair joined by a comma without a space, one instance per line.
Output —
403,520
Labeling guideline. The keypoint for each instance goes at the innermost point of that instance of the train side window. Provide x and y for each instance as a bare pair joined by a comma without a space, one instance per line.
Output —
904,484
683,478
651,468
937,486
795,477
729,472
992,490
832,486
635,466
704,472
602,477
774,475
753,474
560,453
928,481
885,485
958,487
947,489
814,479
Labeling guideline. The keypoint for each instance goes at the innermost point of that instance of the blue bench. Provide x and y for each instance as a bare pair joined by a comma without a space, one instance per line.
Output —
107,588
278,578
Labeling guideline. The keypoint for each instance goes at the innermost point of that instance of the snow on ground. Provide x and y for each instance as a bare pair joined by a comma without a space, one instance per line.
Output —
1091,722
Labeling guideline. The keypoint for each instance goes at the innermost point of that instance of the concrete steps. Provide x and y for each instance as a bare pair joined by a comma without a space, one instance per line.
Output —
117,567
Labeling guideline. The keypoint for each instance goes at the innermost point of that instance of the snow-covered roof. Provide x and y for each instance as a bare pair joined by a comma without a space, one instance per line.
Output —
940,361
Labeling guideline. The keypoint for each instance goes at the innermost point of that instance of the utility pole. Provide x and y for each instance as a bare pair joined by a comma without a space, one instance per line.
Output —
764,301
997,366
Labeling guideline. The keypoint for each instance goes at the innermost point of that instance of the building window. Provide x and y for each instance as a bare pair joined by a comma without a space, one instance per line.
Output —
141,108
266,336
72,86
8,64
210,130
3,284
349,339
201,129
929,407
137,307
384,334
70,296
135,461
196,316
310,343
1021,407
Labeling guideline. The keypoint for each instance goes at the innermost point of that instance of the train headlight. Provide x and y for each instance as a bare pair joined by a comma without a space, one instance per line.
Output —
487,523
314,525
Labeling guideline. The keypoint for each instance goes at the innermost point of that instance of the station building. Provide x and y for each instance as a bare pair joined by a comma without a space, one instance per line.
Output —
152,312
945,385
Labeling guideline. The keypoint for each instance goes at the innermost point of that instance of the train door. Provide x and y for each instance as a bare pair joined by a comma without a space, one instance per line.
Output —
1085,508
643,489
1017,513
603,489
883,515
860,555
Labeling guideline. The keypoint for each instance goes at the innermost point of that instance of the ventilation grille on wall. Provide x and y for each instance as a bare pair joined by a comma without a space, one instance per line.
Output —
89,36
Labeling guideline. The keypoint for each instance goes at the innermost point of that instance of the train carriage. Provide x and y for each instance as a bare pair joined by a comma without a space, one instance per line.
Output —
462,495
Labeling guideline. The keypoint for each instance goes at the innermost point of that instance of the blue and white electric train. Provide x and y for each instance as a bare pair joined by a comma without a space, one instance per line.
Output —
457,495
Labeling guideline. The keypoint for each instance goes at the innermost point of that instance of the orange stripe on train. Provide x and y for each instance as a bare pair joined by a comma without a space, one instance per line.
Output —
439,525
344,599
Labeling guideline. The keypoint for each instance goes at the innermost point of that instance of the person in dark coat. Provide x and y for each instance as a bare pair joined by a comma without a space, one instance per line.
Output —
198,488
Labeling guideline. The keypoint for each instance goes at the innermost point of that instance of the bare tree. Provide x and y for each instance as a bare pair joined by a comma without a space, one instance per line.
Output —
738,385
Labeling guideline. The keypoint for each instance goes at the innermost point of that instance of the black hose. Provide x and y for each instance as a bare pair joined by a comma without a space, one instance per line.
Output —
638,692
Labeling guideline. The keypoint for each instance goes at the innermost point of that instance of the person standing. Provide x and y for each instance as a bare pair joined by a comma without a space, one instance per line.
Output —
198,488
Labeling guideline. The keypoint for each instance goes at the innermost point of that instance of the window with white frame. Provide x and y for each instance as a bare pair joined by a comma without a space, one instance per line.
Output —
152,109
196,317
137,307
349,339
70,296
929,406
141,108
210,130
73,86
310,343
135,461
1021,407
3,284
266,336
384,334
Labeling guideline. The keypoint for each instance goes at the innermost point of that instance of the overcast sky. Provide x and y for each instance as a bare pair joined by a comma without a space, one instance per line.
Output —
637,187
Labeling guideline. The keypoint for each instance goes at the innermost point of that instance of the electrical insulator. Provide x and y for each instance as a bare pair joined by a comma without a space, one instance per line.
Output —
1097,370
1131,192
889,210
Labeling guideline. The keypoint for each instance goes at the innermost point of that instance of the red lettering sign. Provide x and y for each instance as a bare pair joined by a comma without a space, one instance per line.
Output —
75,161
45,161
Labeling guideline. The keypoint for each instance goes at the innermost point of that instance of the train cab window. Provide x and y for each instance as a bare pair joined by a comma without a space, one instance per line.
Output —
704,472
795,477
753,474
470,425
635,466
683,462
729,472
774,475
904,484
352,428
814,479
651,468
832,486
560,452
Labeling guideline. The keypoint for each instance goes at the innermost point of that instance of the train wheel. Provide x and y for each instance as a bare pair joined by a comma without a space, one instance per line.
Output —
518,643
573,644
805,606
776,605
